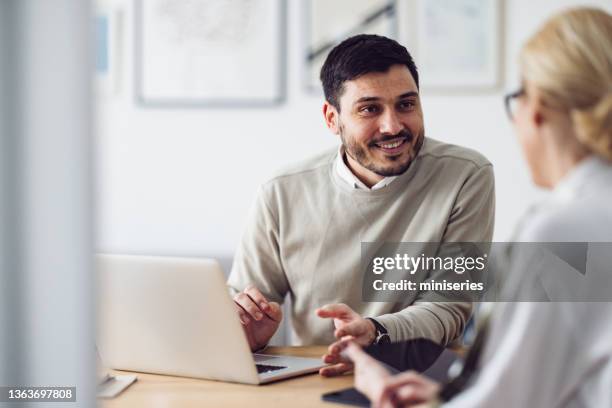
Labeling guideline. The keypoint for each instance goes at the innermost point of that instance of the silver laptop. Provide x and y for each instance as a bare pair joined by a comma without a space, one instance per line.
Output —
175,316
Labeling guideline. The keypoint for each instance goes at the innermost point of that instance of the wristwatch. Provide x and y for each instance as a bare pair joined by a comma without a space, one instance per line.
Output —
382,335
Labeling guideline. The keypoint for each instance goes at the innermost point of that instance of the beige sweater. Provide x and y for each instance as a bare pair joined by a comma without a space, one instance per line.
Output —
304,235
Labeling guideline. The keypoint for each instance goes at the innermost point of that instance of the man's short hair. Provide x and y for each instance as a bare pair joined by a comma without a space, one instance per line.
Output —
359,55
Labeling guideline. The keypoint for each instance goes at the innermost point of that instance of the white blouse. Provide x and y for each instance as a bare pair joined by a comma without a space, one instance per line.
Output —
553,354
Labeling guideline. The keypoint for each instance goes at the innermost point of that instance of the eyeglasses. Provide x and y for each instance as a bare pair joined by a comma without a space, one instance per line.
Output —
510,101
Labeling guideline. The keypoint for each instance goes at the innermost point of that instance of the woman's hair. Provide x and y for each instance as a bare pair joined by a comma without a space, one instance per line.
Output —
570,61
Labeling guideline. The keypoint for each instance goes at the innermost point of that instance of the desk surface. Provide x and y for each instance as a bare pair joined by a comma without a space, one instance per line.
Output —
164,391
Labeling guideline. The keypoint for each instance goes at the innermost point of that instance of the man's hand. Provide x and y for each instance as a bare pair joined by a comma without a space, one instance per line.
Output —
348,326
384,390
348,323
259,317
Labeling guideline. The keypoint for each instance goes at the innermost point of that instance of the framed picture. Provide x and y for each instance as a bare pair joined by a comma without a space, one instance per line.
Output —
327,23
107,24
210,53
458,44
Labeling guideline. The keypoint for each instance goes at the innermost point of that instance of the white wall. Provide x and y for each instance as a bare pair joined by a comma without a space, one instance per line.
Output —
181,181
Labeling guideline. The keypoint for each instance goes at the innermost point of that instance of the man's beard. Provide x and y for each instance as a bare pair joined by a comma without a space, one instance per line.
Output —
360,155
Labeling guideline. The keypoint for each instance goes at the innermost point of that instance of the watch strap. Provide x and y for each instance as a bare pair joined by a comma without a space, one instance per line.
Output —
382,335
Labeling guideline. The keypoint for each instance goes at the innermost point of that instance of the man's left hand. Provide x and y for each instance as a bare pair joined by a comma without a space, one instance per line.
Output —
348,325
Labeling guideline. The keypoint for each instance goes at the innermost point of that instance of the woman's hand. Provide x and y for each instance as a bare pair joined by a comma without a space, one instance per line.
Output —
384,390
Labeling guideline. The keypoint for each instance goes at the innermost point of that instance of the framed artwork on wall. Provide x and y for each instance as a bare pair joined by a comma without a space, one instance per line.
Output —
327,23
210,53
108,33
459,44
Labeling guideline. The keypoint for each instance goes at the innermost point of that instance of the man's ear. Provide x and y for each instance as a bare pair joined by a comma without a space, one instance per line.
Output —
330,113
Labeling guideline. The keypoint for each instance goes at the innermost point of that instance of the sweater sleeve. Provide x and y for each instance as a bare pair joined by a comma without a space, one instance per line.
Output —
257,260
471,220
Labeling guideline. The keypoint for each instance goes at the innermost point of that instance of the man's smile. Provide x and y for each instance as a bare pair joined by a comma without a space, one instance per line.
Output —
393,146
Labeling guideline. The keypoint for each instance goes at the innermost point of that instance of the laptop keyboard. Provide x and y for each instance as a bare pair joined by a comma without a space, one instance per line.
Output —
264,368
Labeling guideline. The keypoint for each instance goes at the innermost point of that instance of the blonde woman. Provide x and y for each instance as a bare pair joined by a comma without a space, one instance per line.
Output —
542,354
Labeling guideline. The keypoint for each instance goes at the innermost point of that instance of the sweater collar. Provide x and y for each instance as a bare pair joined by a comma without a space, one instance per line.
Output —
345,174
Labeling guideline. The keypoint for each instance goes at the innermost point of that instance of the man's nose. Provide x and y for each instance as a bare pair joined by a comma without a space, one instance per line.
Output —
390,123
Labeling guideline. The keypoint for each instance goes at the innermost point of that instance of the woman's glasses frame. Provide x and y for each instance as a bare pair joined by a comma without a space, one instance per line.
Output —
510,102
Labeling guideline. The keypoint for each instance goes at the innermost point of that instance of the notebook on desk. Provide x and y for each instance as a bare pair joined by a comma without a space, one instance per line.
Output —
175,316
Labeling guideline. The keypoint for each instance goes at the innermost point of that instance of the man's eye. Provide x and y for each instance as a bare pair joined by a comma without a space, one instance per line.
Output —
406,105
369,109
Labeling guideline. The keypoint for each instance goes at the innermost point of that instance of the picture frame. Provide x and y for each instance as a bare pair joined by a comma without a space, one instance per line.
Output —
327,23
210,53
107,58
458,44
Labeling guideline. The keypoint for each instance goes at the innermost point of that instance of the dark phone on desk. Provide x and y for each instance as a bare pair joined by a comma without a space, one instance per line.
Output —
421,355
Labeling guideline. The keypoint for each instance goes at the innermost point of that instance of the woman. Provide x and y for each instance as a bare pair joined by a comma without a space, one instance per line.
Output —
543,354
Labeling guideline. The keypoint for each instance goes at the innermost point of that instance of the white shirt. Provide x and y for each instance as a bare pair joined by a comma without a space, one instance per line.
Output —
553,354
347,175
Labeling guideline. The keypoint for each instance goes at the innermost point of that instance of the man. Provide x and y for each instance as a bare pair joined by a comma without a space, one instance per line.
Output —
386,183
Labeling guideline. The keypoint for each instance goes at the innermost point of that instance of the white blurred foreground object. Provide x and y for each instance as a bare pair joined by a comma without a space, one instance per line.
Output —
46,302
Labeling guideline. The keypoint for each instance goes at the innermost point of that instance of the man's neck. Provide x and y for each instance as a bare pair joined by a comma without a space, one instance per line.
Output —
366,176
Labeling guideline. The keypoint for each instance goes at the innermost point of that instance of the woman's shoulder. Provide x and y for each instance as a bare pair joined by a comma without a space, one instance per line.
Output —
587,220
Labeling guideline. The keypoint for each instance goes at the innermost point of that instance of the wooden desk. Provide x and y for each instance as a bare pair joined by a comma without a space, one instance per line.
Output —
156,391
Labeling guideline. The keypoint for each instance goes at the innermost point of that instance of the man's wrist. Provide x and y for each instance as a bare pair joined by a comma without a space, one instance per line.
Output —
371,331
381,335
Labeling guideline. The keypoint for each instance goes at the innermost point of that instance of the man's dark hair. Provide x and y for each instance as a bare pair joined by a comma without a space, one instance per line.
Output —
359,55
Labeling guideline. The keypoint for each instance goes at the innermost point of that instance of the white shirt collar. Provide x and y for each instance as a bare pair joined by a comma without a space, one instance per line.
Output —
347,175
577,179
